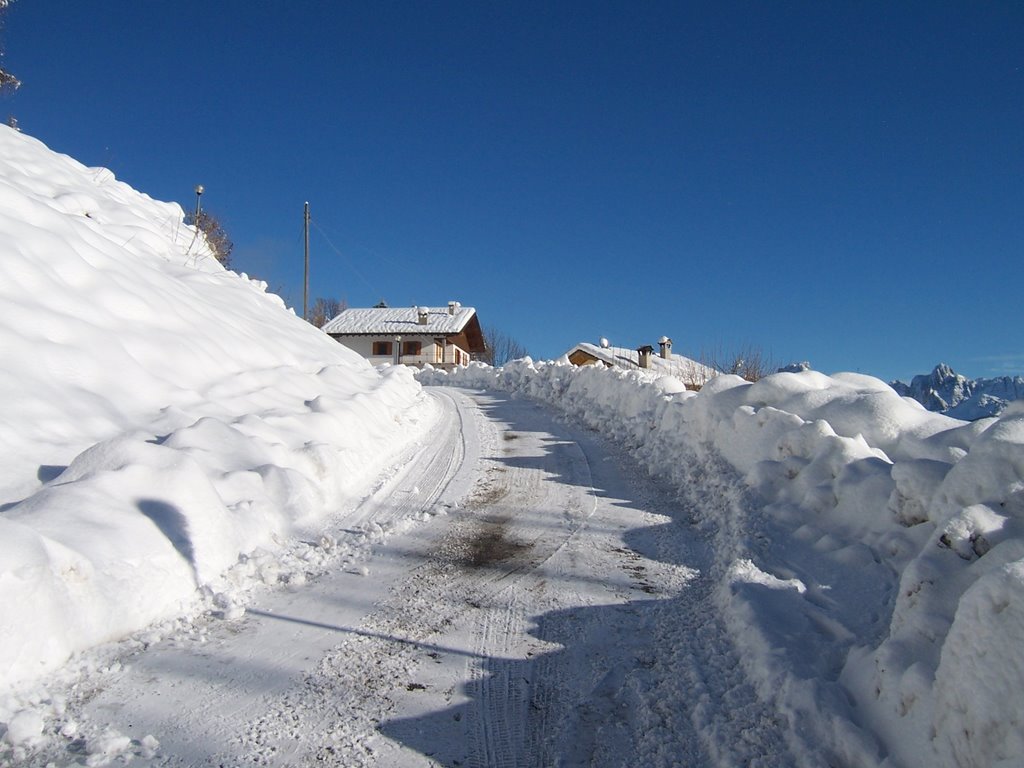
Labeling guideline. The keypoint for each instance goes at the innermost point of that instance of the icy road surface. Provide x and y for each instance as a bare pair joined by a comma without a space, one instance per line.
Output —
558,614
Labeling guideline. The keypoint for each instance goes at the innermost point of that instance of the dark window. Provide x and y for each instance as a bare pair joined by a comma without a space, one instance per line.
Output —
381,348
412,347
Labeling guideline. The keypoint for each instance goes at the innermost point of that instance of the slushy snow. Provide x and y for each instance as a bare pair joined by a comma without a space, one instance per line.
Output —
173,437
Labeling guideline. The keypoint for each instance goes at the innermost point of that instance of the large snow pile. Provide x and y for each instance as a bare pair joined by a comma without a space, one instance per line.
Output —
870,553
946,391
166,424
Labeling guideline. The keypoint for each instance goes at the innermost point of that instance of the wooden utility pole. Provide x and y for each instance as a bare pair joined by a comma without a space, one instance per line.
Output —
305,286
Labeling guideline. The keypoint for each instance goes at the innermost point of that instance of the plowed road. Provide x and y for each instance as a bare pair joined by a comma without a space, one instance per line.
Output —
558,614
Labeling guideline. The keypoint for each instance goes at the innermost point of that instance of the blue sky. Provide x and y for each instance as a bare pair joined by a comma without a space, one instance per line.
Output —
835,182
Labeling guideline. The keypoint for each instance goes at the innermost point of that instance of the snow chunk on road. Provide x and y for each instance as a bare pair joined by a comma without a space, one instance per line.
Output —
24,728
745,572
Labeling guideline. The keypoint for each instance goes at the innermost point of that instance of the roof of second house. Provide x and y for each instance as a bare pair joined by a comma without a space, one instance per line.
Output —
624,357
377,321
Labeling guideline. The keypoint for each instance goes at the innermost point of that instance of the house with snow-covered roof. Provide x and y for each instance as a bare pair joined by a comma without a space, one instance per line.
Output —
690,372
444,337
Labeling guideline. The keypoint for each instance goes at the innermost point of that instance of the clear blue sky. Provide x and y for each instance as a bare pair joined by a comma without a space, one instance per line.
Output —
835,182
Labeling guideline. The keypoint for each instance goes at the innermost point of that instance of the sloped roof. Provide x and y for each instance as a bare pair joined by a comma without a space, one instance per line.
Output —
623,357
398,320
404,321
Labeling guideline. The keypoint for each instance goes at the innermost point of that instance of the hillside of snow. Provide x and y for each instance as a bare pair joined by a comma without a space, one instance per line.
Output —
946,391
869,553
168,428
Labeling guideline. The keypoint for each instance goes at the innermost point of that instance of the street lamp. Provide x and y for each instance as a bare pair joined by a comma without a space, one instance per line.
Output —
199,194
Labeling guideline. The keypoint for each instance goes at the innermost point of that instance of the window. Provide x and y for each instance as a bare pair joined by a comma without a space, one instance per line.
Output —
412,347
381,348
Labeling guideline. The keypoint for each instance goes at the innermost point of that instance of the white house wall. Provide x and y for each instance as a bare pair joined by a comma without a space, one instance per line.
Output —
363,345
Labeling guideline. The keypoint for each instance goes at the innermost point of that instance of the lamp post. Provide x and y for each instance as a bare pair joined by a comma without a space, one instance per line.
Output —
199,194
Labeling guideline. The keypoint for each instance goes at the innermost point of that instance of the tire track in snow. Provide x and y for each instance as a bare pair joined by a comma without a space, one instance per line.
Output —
501,720
498,723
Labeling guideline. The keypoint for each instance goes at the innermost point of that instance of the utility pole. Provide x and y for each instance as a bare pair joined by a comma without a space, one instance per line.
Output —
305,288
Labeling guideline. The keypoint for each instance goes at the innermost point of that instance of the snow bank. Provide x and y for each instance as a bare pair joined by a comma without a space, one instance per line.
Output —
870,553
164,420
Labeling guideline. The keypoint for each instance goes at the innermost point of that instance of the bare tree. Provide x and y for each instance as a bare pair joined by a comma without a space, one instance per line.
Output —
7,80
216,237
749,362
324,310
693,374
500,347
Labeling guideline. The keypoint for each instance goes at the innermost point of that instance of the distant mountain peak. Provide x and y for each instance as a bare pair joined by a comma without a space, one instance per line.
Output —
946,391
943,372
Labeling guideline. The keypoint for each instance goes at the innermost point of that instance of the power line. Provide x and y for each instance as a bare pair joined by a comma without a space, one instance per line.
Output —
394,262
372,287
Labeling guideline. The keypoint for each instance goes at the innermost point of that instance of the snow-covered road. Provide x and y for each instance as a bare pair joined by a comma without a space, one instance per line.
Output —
557,614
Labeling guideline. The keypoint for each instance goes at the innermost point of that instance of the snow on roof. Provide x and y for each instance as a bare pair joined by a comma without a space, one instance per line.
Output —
624,357
398,320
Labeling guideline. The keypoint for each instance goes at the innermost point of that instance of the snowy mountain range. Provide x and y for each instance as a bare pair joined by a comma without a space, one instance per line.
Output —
946,391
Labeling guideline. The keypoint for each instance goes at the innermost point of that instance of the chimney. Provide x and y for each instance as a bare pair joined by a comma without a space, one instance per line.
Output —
422,314
453,307
644,354
666,347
